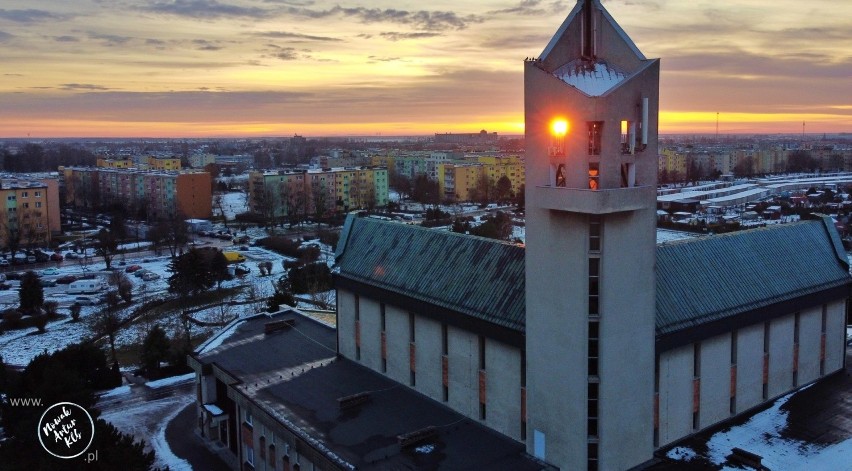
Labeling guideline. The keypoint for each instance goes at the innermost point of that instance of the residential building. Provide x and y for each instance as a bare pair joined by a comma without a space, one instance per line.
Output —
31,213
149,194
481,138
282,193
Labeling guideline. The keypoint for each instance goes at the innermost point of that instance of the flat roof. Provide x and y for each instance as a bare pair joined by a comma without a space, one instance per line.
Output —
296,377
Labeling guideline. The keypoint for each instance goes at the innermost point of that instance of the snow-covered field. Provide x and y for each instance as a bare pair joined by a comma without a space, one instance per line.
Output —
762,435
18,347
232,203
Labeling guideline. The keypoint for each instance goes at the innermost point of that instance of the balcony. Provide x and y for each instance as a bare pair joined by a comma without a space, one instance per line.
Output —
575,200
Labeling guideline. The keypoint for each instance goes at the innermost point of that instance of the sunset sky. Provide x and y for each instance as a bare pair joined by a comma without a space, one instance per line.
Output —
193,68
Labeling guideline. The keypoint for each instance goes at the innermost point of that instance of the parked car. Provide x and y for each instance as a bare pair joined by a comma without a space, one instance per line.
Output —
41,257
66,280
4,263
132,268
150,276
31,259
140,273
56,257
86,300
71,256
49,271
14,275
45,283
2,277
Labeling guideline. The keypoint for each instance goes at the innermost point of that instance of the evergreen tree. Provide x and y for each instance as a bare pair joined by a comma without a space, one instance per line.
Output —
155,349
31,293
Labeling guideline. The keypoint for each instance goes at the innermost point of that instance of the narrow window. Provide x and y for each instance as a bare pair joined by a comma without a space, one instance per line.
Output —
594,280
595,131
357,308
560,175
796,318
592,408
592,455
734,347
766,337
594,175
696,360
628,175
382,313
481,352
594,233
481,411
594,333
411,327
445,343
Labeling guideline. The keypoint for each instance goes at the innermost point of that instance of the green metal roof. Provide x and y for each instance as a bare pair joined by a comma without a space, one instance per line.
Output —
709,279
698,280
472,275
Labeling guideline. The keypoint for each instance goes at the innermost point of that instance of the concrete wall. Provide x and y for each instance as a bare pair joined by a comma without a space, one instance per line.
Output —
346,323
749,367
810,338
676,366
780,355
835,339
503,362
503,388
715,375
675,394
397,325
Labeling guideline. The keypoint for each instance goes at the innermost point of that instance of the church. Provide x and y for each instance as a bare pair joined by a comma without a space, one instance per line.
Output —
590,348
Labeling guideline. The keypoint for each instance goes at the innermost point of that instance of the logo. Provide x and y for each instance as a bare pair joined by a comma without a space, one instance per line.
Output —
66,430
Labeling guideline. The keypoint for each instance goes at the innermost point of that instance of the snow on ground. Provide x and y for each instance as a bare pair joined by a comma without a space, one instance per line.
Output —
172,380
119,391
232,203
666,235
148,421
18,347
763,435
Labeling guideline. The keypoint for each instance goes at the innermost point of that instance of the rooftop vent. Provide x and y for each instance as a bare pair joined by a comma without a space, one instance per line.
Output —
747,458
417,436
275,326
352,401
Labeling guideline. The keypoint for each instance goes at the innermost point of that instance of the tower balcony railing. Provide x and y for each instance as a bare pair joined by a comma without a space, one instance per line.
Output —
606,201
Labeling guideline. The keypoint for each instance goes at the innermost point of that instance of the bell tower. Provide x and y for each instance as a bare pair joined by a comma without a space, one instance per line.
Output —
591,105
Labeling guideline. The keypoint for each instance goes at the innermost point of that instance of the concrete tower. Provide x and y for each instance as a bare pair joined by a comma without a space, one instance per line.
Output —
591,136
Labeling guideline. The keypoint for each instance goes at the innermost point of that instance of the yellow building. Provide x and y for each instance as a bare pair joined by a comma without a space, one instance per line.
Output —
459,182
164,163
114,163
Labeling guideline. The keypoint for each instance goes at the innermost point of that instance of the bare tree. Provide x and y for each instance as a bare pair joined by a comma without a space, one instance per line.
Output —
107,246
106,323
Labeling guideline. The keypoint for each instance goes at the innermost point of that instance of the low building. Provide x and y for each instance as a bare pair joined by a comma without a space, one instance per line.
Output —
300,405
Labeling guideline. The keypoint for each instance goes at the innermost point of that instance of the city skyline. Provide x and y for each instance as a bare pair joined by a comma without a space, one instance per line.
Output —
209,68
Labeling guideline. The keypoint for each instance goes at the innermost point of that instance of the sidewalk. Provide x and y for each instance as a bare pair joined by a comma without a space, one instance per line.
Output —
185,444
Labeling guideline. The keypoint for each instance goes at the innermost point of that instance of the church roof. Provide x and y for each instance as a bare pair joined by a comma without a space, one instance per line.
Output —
718,277
471,275
699,281
593,79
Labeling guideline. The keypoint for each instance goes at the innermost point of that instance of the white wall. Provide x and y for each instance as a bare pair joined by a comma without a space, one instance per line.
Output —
749,367
714,403
780,355
675,417
346,323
